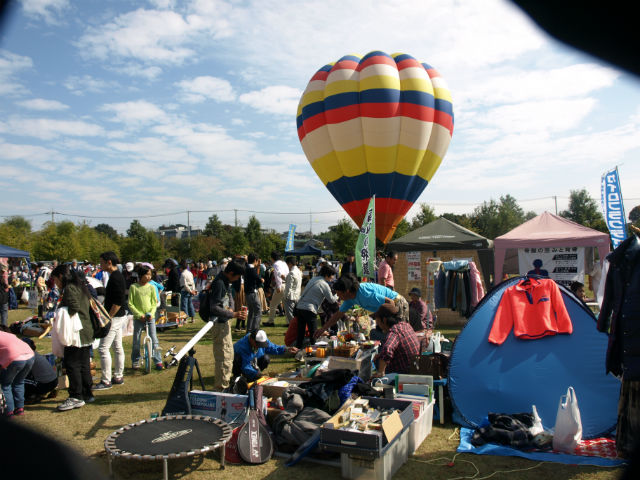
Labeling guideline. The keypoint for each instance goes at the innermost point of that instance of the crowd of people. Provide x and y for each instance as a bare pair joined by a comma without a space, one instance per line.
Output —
243,288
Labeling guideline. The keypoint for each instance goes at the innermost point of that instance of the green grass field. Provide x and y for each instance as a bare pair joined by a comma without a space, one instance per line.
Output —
86,428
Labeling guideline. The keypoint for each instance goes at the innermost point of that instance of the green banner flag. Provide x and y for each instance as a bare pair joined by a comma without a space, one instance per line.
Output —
366,246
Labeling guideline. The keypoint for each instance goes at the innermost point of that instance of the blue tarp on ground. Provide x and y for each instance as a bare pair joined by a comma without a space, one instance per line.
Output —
493,449
511,377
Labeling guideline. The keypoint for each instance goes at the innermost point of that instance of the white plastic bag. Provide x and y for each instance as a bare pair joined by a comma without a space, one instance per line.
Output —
67,328
537,422
568,429
24,298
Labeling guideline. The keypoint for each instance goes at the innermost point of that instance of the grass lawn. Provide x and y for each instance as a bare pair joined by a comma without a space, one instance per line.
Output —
86,428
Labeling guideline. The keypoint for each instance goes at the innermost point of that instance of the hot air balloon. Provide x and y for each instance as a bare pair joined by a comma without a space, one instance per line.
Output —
380,124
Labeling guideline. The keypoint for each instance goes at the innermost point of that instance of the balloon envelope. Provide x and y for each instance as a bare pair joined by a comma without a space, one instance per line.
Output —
377,125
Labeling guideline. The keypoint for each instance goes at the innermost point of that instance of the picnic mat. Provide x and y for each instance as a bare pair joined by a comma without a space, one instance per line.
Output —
598,451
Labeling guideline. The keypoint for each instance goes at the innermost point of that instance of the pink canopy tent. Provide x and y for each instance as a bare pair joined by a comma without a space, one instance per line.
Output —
547,230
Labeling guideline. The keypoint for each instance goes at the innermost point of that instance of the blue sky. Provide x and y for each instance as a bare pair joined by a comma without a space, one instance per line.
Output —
132,109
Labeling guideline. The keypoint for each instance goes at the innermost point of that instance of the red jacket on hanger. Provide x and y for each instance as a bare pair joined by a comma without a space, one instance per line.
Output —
534,308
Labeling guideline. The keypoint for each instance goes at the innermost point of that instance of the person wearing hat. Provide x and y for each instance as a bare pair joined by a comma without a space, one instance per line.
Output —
401,345
420,317
251,354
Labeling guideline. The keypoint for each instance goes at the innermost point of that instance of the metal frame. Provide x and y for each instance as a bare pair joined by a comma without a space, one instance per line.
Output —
114,452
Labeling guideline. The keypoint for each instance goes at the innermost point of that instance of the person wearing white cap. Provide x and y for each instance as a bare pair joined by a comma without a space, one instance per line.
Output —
251,354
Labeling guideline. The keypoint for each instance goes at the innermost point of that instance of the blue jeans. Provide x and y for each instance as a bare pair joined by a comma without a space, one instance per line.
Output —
186,303
12,380
138,327
4,314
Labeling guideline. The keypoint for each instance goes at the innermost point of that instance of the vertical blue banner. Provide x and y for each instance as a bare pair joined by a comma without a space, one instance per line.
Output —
613,208
292,233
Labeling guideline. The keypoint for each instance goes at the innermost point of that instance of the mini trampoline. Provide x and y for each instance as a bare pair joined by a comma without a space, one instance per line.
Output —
169,437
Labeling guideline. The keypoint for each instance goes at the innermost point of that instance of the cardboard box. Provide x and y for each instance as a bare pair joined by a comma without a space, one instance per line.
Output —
228,407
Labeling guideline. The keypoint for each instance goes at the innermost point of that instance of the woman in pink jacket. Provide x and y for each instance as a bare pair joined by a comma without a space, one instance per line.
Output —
16,360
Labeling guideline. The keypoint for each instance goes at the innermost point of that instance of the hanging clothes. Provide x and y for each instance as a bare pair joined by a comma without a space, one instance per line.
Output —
475,280
440,288
534,308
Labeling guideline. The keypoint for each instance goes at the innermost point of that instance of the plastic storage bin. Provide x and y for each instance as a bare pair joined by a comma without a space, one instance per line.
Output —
382,468
421,428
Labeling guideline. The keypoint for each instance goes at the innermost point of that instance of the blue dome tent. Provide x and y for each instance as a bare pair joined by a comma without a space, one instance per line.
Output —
511,377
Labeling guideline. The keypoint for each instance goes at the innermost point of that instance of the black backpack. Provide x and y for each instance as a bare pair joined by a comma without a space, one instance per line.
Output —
205,305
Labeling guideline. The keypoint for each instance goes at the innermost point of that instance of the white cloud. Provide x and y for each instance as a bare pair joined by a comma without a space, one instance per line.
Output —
134,70
278,99
541,116
135,113
146,35
204,88
10,65
80,85
239,122
519,85
47,129
43,104
49,10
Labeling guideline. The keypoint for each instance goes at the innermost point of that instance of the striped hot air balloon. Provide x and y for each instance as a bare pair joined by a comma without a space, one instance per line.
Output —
379,124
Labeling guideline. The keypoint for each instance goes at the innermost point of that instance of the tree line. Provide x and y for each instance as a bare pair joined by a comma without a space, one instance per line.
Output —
66,241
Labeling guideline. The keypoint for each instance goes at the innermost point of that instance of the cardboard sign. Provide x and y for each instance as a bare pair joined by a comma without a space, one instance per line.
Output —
392,426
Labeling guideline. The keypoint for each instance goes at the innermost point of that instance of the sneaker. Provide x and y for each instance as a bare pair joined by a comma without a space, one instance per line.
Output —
101,386
90,399
70,403
159,366
238,330
18,411
117,380
135,366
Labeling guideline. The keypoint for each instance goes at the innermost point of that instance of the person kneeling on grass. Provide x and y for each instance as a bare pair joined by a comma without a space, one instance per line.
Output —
251,354
143,302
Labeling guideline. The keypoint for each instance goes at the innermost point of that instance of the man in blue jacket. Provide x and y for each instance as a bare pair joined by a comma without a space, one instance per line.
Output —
251,354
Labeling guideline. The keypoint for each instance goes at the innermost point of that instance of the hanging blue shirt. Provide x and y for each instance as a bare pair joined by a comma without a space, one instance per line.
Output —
370,296
243,348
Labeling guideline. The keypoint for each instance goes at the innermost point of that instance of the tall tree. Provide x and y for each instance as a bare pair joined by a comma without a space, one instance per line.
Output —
136,231
214,227
423,217
16,232
344,236
584,209
236,243
270,242
107,229
485,219
510,214
253,232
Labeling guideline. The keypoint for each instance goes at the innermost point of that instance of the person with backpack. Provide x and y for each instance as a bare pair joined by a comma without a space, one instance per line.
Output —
76,360
252,282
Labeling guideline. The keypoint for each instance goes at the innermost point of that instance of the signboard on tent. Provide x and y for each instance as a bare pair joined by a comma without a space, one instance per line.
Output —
613,207
366,245
564,264
413,266
290,237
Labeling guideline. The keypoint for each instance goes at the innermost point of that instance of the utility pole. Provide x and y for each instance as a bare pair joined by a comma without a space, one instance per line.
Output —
555,198
236,214
52,212
310,225
189,224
